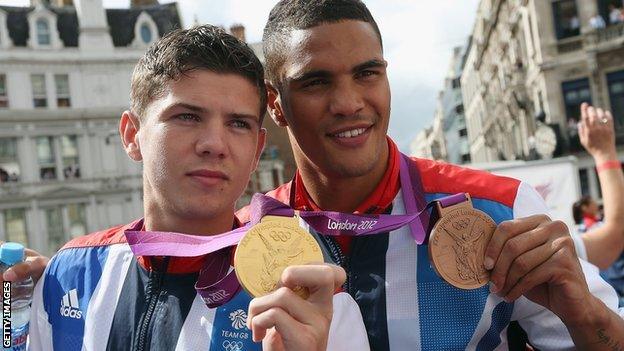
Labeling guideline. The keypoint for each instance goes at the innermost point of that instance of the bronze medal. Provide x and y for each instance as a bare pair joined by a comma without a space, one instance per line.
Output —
457,245
268,248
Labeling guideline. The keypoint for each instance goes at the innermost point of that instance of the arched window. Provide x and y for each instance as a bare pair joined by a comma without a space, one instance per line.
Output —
146,33
43,32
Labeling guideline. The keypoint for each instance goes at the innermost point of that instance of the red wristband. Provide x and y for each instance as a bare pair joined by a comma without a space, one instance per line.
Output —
614,164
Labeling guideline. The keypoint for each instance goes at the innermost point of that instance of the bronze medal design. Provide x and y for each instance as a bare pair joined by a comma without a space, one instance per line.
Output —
457,245
268,248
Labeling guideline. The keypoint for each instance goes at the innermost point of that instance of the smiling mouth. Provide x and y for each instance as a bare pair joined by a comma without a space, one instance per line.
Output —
350,133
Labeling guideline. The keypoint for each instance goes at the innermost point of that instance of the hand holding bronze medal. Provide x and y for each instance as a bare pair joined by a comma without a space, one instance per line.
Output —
457,245
268,248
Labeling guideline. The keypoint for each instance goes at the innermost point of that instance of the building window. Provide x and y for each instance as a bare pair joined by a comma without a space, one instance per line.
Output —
69,155
574,94
465,158
616,96
584,179
62,90
146,33
45,158
459,109
15,225
9,165
566,19
43,32
67,158
611,11
54,223
456,83
64,223
40,98
4,99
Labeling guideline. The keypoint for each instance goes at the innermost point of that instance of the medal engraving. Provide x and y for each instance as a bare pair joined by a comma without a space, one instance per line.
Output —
268,248
457,246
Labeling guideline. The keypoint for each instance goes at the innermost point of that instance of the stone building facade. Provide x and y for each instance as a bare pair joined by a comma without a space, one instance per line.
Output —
65,69
532,63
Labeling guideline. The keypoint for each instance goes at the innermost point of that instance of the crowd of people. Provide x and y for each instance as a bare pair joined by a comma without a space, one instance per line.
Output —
198,98
616,16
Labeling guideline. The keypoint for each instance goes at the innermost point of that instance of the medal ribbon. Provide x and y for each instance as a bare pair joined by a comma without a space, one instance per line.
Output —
217,291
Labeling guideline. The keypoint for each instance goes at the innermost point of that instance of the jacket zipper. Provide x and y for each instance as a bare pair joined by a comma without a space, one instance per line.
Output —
339,258
154,289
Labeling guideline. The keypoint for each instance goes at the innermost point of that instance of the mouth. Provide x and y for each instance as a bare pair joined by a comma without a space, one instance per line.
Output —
208,177
351,136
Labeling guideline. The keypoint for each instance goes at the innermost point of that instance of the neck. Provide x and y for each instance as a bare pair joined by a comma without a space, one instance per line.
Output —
341,194
156,219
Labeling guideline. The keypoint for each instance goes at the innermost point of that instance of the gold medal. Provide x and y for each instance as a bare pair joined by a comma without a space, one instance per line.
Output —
268,248
457,245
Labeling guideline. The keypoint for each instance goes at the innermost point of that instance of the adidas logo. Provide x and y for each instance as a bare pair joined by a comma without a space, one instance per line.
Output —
69,305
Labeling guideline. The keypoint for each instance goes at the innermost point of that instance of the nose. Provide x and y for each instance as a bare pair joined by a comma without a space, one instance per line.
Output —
212,141
347,99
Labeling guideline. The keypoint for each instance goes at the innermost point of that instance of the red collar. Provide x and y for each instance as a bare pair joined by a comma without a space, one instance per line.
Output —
377,202
178,265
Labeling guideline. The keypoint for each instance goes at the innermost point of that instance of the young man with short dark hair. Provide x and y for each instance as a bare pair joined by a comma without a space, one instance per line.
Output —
328,86
198,97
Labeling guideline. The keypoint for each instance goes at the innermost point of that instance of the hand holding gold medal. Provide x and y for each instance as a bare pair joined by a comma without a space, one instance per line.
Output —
283,315
268,248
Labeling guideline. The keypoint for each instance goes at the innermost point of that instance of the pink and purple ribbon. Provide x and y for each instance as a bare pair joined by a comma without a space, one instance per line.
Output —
217,283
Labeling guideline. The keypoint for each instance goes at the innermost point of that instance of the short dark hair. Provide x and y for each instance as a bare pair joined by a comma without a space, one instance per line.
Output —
289,15
577,208
201,47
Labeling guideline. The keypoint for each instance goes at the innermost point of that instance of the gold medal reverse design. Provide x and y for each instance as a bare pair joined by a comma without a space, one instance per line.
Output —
457,246
268,248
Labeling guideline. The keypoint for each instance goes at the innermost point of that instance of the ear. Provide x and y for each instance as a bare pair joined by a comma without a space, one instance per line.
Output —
129,131
259,147
274,105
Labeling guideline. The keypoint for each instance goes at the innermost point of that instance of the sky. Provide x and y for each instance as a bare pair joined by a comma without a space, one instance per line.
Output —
418,35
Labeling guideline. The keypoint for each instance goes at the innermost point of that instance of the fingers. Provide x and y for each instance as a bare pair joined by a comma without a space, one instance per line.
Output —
322,280
294,318
520,256
38,265
507,230
18,272
561,266
284,299
523,265
276,318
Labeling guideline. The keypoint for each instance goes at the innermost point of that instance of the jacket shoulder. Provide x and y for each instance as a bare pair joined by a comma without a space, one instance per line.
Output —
440,177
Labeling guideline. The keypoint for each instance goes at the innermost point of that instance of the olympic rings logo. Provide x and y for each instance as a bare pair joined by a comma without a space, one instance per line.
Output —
232,345
461,224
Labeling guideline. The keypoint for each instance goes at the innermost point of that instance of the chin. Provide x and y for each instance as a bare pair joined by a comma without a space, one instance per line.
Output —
353,169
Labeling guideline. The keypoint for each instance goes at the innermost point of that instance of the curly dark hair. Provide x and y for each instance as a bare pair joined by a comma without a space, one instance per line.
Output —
202,47
289,15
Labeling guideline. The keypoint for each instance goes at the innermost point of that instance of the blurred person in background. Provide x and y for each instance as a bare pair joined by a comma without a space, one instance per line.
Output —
602,239
586,213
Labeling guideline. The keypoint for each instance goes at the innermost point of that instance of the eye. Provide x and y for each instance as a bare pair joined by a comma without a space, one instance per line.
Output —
240,123
315,82
366,74
188,117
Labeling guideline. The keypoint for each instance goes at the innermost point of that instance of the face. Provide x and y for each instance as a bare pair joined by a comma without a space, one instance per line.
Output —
335,99
198,143
591,209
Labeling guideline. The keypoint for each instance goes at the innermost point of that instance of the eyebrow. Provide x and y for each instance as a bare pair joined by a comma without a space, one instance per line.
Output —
186,106
374,63
199,109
